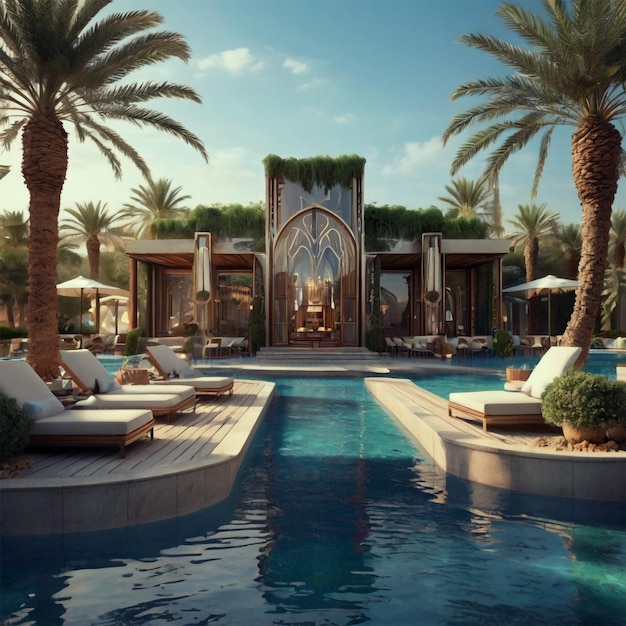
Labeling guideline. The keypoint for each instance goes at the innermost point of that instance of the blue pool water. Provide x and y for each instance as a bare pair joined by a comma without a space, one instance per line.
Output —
336,520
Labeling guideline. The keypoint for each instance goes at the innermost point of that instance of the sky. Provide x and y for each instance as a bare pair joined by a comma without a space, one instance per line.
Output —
301,78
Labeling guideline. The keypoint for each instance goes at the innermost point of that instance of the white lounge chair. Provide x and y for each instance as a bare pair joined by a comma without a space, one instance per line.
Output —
504,407
105,392
175,370
53,425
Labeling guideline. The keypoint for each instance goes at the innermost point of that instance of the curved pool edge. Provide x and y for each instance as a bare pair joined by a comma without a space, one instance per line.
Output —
465,451
56,506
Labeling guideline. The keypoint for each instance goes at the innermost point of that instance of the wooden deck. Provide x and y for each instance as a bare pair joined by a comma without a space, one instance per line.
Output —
190,464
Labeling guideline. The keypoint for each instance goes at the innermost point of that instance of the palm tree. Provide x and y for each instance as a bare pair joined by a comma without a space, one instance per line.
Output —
152,202
532,223
573,73
569,242
617,241
94,225
59,66
13,230
466,197
615,277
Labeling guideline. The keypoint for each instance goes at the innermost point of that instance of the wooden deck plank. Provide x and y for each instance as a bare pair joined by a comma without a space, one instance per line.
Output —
192,436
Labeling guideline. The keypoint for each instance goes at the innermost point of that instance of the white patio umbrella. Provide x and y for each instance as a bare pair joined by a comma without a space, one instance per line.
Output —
544,286
81,287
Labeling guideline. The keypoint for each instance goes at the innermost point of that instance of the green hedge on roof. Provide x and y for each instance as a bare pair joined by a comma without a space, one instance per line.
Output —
324,171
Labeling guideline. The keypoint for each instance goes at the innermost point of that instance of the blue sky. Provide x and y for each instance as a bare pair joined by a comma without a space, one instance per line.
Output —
301,78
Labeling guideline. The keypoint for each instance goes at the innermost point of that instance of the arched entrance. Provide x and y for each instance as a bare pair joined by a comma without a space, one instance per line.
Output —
315,282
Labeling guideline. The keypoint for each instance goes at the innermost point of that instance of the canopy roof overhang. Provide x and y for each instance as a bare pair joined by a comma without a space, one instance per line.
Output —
179,254
458,253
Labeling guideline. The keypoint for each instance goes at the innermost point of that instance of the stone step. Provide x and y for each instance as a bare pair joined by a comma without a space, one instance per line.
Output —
315,355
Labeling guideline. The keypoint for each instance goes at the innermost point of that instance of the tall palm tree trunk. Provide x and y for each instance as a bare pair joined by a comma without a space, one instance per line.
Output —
531,255
596,150
93,254
44,165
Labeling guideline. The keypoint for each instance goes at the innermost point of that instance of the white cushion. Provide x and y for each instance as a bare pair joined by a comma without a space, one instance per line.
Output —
200,383
186,371
87,422
554,363
85,367
497,402
146,401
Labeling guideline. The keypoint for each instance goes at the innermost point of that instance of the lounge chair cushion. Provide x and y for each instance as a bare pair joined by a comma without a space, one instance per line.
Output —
185,371
44,407
555,362
78,422
105,384
150,401
497,402
85,369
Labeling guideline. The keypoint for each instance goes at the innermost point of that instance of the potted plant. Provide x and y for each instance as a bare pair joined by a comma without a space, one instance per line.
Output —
502,343
584,405
431,296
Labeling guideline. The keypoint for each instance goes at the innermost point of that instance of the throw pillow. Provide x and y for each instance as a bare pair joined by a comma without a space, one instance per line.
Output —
38,409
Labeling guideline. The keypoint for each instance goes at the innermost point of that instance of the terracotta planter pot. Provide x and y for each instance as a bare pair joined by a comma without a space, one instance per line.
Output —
574,434
514,373
616,433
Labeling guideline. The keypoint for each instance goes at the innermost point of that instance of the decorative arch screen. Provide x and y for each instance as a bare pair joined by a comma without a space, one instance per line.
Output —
315,279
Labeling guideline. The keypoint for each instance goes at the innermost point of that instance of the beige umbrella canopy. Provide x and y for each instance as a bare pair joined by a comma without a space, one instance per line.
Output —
545,286
81,287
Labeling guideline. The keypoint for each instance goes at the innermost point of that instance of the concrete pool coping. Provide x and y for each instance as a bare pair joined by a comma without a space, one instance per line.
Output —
56,504
503,461
190,464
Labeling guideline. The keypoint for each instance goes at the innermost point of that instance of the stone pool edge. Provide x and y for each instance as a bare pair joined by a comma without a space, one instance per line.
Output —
470,455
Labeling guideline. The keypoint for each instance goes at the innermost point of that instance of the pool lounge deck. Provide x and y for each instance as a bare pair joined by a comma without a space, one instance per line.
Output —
193,462
500,458
190,464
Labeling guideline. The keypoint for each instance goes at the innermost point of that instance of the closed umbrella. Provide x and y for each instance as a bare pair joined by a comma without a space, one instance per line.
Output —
544,286
203,285
81,287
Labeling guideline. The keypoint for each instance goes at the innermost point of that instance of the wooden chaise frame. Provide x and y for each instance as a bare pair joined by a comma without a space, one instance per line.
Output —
200,391
169,412
493,419
95,440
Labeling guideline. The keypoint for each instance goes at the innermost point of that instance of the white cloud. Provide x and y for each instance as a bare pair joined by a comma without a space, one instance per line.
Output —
295,66
415,155
344,119
236,61
316,83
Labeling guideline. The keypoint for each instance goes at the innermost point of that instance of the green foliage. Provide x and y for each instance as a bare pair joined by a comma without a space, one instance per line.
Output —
374,332
132,341
15,427
585,400
324,171
256,328
12,333
502,343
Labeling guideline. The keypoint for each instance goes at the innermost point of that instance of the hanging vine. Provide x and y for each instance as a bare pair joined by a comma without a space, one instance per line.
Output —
324,171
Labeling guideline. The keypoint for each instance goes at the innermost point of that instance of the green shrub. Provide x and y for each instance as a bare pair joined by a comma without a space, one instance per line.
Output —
132,341
502,343
12,333
15,428
585,400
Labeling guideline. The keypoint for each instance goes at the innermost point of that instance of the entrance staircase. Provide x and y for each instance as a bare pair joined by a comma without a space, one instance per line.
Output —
315,356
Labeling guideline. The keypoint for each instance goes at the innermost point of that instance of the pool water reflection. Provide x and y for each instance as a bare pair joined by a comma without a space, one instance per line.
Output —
336,519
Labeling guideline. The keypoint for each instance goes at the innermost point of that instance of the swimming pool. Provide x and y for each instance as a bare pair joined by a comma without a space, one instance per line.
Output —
336,519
